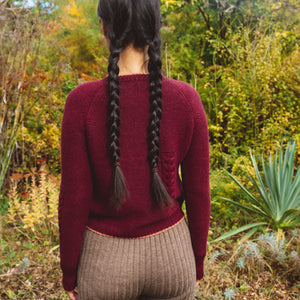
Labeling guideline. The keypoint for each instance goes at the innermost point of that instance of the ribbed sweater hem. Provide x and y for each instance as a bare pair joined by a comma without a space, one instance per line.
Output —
148,230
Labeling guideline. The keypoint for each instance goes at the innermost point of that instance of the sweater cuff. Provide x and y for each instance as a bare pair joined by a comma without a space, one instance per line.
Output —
199,268
69,282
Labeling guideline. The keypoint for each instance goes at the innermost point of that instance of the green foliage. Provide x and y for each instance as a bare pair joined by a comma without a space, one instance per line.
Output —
278,204
244,62
3,204
225,217
168,5
252,102
78,31
42,124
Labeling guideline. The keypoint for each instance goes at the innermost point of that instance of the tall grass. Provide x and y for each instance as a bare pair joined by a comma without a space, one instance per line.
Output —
19,46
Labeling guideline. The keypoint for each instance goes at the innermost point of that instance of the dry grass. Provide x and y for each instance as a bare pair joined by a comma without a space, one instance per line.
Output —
252,283
42,278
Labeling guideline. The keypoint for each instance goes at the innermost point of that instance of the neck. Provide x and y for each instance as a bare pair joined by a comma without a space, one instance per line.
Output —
133,61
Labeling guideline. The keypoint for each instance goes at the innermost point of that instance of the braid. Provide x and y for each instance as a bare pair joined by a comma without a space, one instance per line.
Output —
155,83
117,17
119,186
136,22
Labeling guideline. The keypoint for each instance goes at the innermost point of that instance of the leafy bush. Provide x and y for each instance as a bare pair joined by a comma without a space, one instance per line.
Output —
245,68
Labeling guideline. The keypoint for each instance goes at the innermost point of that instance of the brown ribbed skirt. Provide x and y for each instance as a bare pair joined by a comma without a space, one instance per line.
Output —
160,266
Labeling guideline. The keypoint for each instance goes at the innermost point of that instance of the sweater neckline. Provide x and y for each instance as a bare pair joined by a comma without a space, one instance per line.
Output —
130,77
134,77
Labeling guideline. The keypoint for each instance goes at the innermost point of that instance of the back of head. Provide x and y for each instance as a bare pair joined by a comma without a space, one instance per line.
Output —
131,21
134,22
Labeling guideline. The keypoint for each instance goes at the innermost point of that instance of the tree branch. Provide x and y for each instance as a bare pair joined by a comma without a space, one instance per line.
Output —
206,17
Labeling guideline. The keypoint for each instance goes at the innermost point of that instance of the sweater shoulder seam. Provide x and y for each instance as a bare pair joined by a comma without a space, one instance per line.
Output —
181,94
96,95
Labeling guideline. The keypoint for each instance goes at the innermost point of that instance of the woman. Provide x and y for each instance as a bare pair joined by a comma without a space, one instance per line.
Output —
123,234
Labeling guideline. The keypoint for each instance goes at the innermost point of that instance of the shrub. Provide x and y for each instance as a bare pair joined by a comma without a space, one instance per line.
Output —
278,200
35,208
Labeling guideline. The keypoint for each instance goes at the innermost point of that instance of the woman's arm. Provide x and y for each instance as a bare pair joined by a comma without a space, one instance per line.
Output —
195,177
76,186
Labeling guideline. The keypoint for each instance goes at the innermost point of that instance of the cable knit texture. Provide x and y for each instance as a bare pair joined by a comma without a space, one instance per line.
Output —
86,168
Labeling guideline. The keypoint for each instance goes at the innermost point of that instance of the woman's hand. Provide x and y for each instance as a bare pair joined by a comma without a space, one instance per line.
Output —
197,282
73,295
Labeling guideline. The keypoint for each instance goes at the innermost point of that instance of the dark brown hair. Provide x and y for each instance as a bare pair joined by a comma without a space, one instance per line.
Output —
137,22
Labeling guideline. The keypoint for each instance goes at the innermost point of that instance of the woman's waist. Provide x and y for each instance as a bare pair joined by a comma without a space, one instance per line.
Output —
135,227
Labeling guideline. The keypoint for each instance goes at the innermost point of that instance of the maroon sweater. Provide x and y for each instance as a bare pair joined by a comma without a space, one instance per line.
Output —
86,174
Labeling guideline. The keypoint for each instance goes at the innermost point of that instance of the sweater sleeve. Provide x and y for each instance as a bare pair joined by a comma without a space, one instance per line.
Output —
195,178
75,188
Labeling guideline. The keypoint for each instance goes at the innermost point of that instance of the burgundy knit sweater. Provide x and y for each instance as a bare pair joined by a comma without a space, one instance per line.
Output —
86,168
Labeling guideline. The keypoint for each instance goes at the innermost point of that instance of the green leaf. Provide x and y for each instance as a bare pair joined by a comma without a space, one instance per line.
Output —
53,248
238,230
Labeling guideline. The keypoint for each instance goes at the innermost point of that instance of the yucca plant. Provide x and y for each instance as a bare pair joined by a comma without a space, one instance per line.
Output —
278,204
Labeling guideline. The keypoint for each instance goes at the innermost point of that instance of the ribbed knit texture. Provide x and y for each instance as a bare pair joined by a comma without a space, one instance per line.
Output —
86,168
161,266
